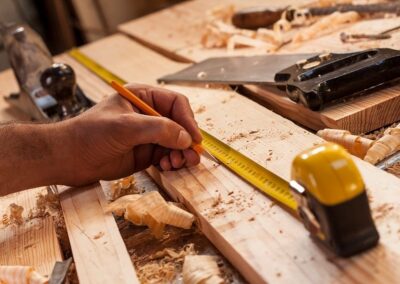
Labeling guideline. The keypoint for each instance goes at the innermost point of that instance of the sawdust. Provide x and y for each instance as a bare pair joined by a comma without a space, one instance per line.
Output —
200,109
162,266
15,215
394,169
98,235
161,260
382,211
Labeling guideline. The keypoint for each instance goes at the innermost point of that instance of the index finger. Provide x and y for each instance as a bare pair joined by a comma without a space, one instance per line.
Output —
169,104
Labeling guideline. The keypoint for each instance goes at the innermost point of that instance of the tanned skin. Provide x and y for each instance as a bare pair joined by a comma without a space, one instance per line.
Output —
109,141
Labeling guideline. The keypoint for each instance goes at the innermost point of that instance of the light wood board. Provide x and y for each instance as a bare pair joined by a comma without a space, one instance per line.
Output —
263,241
176,32
99,252
34,243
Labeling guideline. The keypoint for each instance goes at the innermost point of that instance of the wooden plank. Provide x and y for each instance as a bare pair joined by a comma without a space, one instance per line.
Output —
33,243
99,252
262,241
178,31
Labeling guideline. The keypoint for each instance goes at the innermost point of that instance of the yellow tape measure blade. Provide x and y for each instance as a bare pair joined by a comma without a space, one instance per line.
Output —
250,171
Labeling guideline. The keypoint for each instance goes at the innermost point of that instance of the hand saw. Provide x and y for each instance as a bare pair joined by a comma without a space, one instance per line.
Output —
315,80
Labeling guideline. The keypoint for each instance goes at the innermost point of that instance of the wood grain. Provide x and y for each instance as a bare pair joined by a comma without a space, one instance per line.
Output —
99,252
263,241
33,243
178,31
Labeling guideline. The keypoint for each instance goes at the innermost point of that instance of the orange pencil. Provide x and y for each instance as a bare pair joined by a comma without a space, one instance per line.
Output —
145,108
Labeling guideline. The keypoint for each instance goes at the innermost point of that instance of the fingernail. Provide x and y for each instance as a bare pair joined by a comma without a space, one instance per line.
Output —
184,139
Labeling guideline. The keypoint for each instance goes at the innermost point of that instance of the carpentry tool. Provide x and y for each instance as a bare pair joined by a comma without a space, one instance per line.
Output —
258,17
313,80
60,271
323,204
48,91
145,108
346,37
389,161
332,201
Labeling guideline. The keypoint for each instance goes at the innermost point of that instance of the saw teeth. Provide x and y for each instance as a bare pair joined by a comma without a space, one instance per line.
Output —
201,269
152,210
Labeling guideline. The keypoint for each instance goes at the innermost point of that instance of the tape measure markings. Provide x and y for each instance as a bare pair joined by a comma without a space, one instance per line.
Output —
247,169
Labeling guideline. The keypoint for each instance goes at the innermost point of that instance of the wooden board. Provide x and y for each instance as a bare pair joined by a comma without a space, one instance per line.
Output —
176,32
264,242
99,252
34,243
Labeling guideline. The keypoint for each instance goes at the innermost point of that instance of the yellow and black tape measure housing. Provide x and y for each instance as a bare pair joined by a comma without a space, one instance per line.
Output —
336,195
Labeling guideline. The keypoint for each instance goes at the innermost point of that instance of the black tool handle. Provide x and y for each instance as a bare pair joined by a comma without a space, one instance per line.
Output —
254,18
259,17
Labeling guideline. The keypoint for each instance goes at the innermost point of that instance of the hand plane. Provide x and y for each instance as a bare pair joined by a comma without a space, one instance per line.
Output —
314,80
48,91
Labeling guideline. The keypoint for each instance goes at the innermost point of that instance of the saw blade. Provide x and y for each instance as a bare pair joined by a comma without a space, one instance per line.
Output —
238,70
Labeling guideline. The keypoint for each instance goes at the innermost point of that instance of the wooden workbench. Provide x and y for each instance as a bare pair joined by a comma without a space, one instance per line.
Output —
176,33
264,242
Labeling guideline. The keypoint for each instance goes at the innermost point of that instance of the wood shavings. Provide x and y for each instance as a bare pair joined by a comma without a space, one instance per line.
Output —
388,144
122,187
201,269
46,205
20,275
15,214
356,145
326,25
164,265
219,32
200,109
152,210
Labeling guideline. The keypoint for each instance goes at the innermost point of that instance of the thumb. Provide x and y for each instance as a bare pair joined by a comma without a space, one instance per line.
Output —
161,131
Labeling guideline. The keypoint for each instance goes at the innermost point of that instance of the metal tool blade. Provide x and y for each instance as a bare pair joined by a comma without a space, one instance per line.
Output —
236,70
60,271
389,161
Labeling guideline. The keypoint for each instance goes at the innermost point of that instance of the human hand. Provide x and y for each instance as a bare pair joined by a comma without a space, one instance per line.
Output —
113,139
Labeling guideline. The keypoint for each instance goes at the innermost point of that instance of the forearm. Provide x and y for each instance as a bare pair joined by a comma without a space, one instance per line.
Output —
30,156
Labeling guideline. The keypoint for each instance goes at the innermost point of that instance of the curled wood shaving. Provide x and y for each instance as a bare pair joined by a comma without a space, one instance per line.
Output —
356,145
152,210
326,25
201,269
122,187
388,144
219,32
20,275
